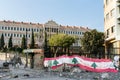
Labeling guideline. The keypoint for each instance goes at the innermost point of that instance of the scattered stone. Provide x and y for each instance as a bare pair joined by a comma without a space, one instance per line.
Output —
60,74
76,70
105,76
71,73
6,65
26,75
0,76
16,76
96,78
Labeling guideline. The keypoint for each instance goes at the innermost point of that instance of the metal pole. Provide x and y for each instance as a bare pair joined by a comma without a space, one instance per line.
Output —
6,57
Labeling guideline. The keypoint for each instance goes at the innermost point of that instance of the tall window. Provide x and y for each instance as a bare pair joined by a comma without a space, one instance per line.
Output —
14,35
5,28
17,35
8,28
112,29
29,29
8,35
17,28
112,13
2,27
20,29
20,35
107,32
14,28
106,2
5,34
29,35
119,8
11,28
23,29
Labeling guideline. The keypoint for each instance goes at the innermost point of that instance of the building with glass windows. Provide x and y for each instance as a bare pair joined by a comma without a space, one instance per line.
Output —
112,26
18,29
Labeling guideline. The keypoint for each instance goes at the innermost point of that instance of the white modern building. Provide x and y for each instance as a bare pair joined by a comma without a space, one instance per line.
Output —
112,26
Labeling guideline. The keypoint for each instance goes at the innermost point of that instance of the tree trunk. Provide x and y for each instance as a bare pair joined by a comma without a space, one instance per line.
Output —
55,54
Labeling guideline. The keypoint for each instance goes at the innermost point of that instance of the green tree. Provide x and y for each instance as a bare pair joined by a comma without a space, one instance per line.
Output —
46,49
2,43
92,41
61,40
10,44
32,41
23,45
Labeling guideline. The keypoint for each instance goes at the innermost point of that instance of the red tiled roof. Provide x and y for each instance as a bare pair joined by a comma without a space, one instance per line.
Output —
61,26
21,22
75,27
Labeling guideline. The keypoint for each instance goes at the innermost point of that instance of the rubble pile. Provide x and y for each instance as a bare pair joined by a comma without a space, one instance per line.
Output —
75,74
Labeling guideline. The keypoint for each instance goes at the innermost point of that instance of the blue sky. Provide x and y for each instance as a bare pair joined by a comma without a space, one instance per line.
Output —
87,13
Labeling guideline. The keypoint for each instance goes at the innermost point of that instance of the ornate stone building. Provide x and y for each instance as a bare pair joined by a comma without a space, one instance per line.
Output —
18,29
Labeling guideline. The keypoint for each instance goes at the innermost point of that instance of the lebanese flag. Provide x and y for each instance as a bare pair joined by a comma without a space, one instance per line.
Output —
89,64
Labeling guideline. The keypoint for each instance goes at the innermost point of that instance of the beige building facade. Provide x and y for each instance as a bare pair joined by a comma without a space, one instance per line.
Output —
112,26
19,29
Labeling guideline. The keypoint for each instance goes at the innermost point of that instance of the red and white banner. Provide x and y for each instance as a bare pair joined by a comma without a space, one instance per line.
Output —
90,64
